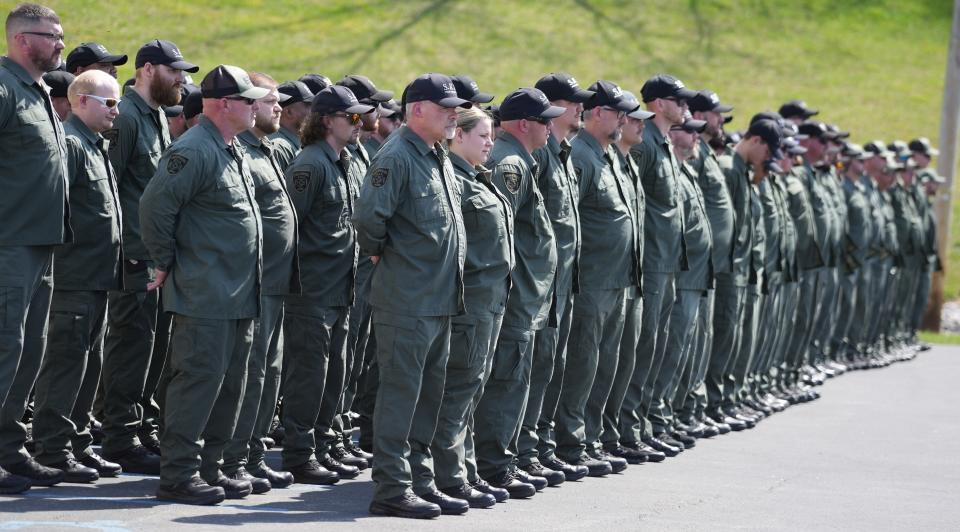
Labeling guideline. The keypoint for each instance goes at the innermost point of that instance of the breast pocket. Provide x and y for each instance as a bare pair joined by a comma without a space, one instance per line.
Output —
335,209
665,186
558,200
146,156
98,190
430,204
229,190
481,217
36,131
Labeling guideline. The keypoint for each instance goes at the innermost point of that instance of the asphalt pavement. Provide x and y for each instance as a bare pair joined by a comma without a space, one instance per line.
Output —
877,452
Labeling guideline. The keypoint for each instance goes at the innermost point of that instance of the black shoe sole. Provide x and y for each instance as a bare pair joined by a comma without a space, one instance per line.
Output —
573,477
198,501
392,512
15,489
314,482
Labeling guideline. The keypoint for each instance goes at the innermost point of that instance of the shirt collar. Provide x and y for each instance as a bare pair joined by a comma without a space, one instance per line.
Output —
212,130
85,131
19,71
138,101
407,134
461,164
506,137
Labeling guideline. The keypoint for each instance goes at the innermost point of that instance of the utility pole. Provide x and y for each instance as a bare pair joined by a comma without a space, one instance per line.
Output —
946,167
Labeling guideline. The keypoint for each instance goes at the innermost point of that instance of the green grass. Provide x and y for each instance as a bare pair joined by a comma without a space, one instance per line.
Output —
940,338
875,67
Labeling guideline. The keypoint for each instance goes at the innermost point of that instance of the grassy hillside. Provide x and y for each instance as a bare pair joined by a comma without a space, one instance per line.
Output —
873,66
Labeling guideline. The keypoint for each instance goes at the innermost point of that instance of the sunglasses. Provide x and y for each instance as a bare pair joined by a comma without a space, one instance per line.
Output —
52,36
354,118
248,101
110,103
538,119
620,114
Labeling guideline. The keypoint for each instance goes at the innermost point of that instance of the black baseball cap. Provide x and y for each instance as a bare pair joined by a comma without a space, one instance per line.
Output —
690,125
316,82
390,108
835,133
665,86
797,108
854,151
792,146
770,132
436,88
469,90
922,145
295,91
814,130
638,112
562,86
364,89
705,101
336,99
160,52
185,90
228,80
89,53
58,81
900,149
192,105
877,148
528,103
609,94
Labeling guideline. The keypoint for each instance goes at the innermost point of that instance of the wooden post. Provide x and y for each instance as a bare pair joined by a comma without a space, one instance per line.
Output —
946,166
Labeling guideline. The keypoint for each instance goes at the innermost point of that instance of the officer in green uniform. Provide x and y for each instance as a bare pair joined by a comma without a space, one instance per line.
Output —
199,218
912,248
84,271
316,323
631,135
337,434
692,285
286,140
138,138
408,218
929,180
391,117
609,266
881,249
858,241
488,221
525,115
35,219
244,455
536,445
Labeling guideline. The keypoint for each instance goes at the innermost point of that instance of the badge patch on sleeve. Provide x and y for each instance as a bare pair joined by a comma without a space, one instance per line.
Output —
175,163
379,176
300,181
111,135
512,180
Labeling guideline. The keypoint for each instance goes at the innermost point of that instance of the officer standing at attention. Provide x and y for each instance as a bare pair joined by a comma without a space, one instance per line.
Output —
408,219
36,218
525,115
286,140
138,138
244,455
316,325
84,271
199,218
94,56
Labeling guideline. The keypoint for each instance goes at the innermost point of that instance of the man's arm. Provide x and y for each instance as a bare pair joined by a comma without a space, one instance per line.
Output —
178,179
379,198
123,141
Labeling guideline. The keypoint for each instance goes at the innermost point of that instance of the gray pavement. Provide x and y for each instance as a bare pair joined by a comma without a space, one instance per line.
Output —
877,452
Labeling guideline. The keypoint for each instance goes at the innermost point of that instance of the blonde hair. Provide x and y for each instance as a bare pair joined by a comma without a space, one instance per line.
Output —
88,82
468,118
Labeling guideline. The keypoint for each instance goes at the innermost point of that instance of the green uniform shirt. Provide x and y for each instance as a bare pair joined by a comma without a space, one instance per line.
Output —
772,231
359,164
698,234
33,163
137,140
488,222
372,145
281,265
409,214
531,296
909,225
758,237
878,224
287,145
638,204
663,248
556,182
716,199
92,260
831,181
323,196
824,216
200,222
789,266
859,228
798,201
737,175
609,255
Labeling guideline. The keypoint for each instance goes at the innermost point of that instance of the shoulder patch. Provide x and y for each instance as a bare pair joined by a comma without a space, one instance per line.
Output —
379,176
175,163
300,180
512,180
111,135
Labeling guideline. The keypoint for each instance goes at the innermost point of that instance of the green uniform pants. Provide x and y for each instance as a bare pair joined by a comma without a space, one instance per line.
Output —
472,340
127,354
412,353
693,402
626,363
785,358
742,361
69,375
608,364
499,412
729,305
768,336
923,297
826,319
659,293
155,385
683,319
598,317
842,346
26,287
546,439
263,386
315,340
357,360
208,370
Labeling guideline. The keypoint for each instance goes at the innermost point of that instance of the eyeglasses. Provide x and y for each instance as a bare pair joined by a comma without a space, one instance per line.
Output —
354,118
679,101
538,119
248,101
52,36
620,114
110,103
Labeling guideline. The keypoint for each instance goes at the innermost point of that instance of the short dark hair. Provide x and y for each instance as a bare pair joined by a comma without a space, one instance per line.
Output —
29,14
313,129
